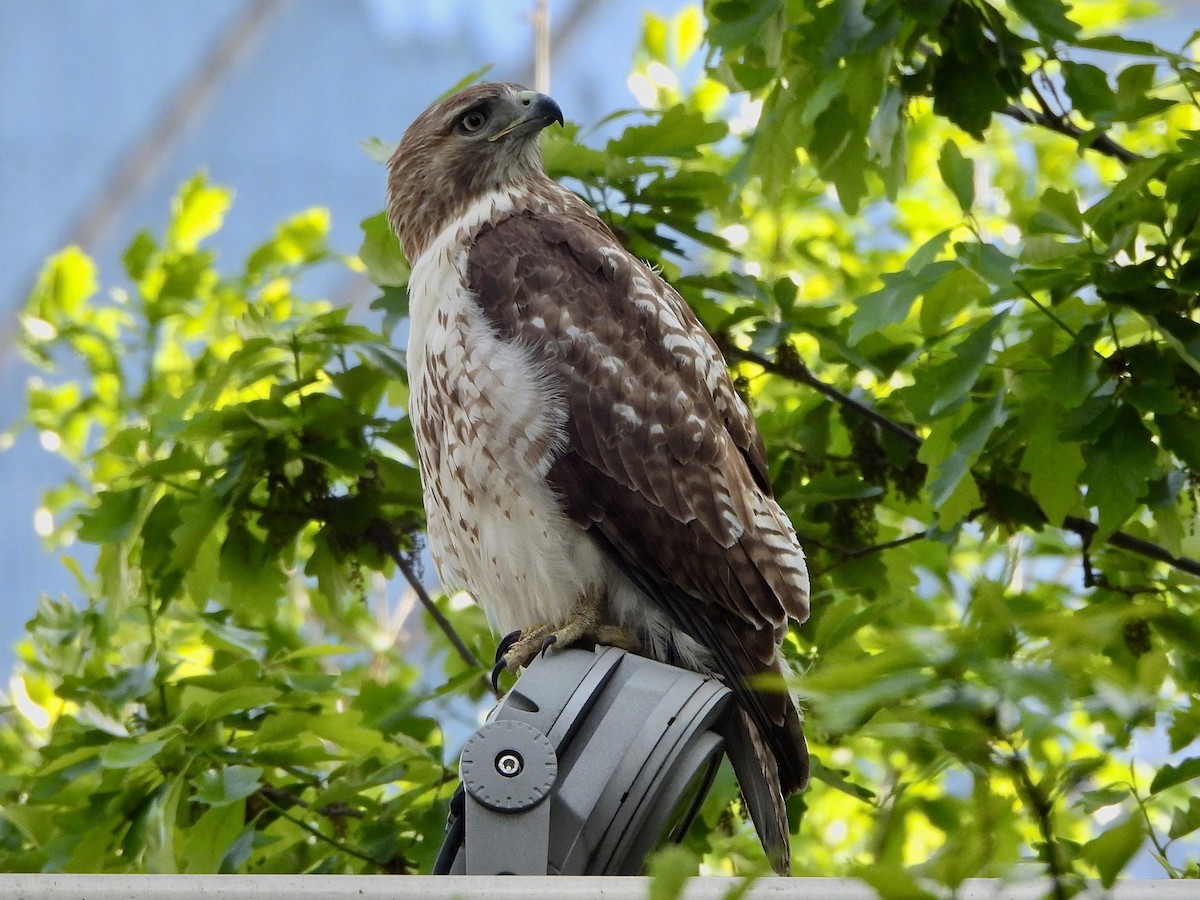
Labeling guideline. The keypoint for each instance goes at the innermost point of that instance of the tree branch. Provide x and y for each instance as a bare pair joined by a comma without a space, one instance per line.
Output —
282,812
1087,530
793,369
1042,808
845,556
1101,143
443,623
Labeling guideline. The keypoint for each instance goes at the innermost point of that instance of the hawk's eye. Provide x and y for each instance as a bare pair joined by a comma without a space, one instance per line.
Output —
473,120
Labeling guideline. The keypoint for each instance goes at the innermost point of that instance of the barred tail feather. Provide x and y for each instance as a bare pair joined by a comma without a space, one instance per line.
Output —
758,775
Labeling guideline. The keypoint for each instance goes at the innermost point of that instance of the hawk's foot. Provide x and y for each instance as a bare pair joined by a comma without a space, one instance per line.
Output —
583,625
505,644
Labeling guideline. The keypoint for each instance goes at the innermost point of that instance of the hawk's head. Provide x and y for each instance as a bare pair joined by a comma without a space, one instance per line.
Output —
481,139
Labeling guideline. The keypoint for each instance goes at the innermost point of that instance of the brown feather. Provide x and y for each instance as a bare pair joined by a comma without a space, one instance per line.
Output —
661,504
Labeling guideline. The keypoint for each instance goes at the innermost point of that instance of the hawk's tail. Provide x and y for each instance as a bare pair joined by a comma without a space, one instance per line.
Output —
758,774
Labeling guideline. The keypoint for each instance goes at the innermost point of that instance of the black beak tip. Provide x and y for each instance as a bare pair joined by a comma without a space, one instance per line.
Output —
547,108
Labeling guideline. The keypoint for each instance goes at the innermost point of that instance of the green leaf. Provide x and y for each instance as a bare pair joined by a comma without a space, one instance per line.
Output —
838,146
1183,335
670,870
468,79
378,150
958,174
1134,102
735,22
1088,88
679,132
393,302
1109,211
887,139
1053,465
298,241
67,279
960,290
112,518
127,754
838,779
257,582
1115,43
208,841
1112,850
892,302
565,157
1185,820
1049,17
198,518
381,254
1169,776
893,882
1180,434
220,787
1090,801
967,78
991,264
1058,213
821,488
138,255
242,699
1074,374
945,387
1185,726
968,441
161,820
1119,466
654,36
196,212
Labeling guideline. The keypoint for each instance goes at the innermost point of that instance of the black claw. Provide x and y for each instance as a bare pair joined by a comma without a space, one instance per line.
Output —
496,670
549,642
506,643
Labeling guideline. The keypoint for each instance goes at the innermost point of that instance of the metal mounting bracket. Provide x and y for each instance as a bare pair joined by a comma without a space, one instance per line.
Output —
589,762
508,769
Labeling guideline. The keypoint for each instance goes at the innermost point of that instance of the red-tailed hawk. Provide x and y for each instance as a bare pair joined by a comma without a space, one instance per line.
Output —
589,470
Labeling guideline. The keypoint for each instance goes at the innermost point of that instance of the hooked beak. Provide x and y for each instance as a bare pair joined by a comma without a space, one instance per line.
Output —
536,111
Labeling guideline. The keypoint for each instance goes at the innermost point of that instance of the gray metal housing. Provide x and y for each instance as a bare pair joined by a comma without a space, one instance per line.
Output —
589,762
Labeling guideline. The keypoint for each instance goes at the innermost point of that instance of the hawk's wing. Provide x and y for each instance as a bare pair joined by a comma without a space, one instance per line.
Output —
664,465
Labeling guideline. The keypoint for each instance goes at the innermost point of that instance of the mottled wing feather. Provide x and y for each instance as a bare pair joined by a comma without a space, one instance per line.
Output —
664,463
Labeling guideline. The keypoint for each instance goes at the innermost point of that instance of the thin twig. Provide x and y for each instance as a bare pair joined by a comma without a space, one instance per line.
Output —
845,556
1158,845
1043,813
795,370
456,641
443,623
1049,313
317,833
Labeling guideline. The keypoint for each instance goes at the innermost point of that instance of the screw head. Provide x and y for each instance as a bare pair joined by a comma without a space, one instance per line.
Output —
509,763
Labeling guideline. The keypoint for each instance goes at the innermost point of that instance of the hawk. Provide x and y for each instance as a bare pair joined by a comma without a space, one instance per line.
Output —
589,471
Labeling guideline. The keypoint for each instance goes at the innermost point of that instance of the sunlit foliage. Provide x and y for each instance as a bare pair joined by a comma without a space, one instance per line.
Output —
949,248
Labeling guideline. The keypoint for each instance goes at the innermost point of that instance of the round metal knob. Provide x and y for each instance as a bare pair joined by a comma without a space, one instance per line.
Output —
508,766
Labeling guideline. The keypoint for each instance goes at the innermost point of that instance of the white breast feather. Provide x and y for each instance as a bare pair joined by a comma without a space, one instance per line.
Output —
495,526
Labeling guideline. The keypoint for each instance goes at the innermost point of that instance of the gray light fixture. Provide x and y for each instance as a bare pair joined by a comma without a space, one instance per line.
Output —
591,761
